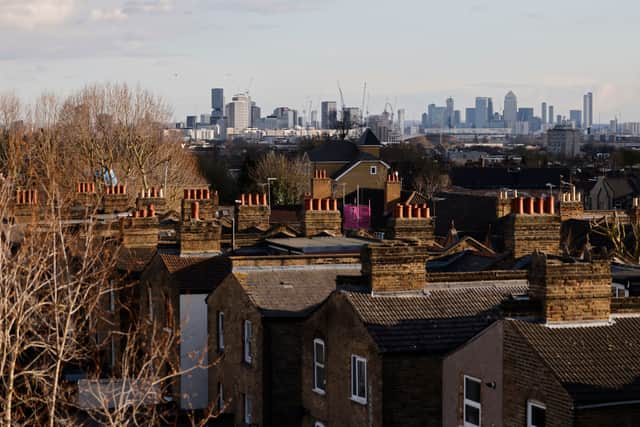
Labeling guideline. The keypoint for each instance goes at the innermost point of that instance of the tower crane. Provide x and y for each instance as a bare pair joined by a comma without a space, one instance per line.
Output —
362,113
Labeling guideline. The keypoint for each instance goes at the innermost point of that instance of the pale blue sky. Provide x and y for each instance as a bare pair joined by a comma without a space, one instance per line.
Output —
415,51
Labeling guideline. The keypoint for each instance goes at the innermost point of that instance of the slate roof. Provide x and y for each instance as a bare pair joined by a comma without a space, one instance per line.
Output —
134,259
334,151
368,138
292,292
192,273
597,364
436,321
175,262
497,178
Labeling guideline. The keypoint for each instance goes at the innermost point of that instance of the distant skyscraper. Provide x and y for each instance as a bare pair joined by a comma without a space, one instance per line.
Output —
525,114
255,115
489,109
449,114
575,116
456,118
470,117
543,110
482,112
192,122
510,114
588,110
329,115
239,112
550,114
401,115
217,103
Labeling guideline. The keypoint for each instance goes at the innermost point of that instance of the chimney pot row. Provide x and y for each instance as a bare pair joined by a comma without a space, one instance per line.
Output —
149,212
572,196
256,199
320,174
393,177
412,211
27,197
533,205
86,187
320,205
116,189
152,192
196,193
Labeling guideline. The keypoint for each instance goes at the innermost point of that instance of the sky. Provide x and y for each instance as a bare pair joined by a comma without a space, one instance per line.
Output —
292,52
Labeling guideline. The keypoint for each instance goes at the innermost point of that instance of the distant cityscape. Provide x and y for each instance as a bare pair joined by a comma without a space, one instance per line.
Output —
243,117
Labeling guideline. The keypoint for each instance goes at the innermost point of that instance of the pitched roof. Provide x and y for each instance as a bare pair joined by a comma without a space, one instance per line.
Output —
436,321
174,262
134,259
292,292
368,138
597,364
334,151
485,178
194,273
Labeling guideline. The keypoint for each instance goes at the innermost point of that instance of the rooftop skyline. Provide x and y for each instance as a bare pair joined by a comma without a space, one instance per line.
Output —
294,51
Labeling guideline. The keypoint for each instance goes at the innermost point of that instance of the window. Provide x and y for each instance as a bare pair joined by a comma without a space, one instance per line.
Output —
220,331
150,303
618,290
247,409
220,397
248,356
472,407
536,414
359,379
373,170
318,366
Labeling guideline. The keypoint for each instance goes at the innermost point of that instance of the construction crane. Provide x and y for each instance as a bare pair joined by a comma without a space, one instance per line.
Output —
364,94
342,105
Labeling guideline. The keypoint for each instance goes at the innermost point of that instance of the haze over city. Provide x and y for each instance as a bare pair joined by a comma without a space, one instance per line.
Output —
410,53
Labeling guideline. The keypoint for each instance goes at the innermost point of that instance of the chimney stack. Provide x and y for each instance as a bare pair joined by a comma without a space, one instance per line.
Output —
392,191
395,266
321,216
207,204
254,211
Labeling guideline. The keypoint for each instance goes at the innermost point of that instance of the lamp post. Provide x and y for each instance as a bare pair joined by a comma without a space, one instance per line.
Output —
269,190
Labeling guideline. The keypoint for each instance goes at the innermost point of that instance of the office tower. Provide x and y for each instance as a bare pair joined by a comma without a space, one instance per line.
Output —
449,113
217,103
470,117
192,122
510,113
550,114
205,119
564,141
256,112
543,110
489,109
575,117
351,116
425,120
525,114
559,120
314,119
401,114
431,112
329,115
456,118
588,110
482,112
239,112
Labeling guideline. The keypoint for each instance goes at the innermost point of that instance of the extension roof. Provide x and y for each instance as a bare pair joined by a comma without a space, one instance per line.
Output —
437,320
596,364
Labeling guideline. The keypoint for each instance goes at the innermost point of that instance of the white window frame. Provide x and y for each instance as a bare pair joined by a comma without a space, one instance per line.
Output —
472,403
530,405
355,359
373,170
618,288
220,329
246,338
318,424
316,365
247,409
220,396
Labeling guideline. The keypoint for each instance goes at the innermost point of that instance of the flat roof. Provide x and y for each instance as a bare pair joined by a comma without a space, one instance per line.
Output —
322,244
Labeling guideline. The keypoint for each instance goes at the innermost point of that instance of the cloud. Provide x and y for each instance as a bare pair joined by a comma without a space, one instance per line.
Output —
263,7
133,7
29,14
108,15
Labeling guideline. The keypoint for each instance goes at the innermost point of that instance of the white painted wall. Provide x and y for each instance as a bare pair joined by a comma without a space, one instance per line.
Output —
193,351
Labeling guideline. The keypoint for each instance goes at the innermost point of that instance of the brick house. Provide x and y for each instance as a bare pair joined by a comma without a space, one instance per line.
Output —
372,353
576,363
255,325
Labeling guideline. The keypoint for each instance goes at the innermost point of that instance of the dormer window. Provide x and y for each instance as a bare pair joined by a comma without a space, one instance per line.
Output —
373,170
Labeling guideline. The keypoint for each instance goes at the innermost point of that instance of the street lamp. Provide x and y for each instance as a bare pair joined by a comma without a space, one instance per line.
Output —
269,190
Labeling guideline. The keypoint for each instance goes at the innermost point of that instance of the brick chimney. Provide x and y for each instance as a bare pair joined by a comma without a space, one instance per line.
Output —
395,266
254,211
571,290
634,211
392,189
26,208
571,205
152,196
503,204
197,236
115,198
532,225
207,202
321,215
141,229
412,222
320,185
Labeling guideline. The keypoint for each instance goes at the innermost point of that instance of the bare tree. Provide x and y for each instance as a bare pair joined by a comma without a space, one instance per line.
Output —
292,177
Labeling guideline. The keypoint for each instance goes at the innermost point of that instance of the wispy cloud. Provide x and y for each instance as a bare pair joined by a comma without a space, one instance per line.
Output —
132,7
116,14
263,7
29,14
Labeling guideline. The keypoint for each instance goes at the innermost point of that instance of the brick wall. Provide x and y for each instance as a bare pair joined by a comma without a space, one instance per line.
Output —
139,232
344,334
252,216
420,229
412,390
392,192
320,185
571,291
199,237
237,376
527,377
316,222
525,233
394,266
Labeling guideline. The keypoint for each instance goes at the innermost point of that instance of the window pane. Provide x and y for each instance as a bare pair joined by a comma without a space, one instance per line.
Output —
319,350
538,417
354,391
362,379
472,390
319,377
471,415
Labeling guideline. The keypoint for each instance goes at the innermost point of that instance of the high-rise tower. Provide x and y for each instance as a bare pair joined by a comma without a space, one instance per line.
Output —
587,110
510,110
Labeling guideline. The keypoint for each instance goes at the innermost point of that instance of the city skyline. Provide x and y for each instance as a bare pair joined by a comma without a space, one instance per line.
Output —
62,45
